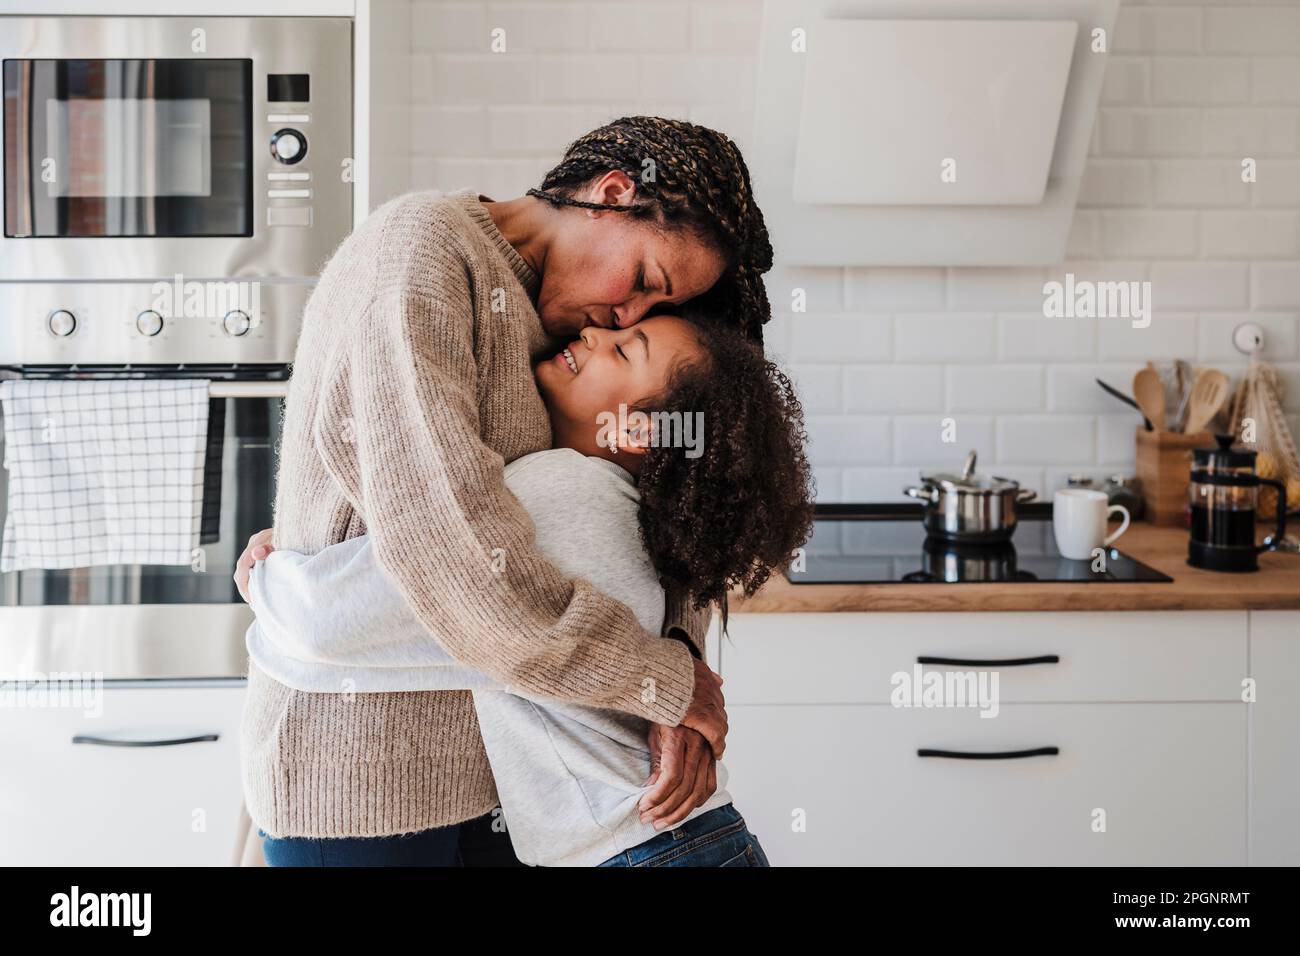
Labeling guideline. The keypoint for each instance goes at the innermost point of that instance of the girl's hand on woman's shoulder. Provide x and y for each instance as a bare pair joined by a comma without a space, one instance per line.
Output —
259,546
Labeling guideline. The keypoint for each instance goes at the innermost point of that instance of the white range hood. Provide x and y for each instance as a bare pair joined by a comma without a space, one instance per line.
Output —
926,132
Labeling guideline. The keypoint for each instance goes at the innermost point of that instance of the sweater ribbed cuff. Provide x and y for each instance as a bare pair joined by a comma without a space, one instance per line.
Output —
663,686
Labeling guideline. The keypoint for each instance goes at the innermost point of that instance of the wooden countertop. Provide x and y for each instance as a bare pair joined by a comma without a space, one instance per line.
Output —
1276,586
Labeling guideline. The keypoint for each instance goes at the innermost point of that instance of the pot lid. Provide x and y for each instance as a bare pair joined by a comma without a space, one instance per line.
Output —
970,482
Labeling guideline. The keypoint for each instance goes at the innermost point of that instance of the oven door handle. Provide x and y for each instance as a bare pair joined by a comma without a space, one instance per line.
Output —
173,742
219,389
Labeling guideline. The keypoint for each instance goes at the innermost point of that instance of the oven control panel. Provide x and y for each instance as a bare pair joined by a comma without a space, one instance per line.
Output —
161,323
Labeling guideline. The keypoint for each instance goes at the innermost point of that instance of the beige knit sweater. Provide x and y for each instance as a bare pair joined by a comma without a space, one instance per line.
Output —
412,386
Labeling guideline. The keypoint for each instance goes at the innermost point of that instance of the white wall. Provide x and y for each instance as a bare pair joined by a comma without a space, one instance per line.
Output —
883,355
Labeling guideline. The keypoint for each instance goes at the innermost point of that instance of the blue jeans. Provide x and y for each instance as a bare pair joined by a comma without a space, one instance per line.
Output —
472,843
716,838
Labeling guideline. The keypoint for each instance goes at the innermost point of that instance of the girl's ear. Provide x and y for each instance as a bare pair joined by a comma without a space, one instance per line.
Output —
638,436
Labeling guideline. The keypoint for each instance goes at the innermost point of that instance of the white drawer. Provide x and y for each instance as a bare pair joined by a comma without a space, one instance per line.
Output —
1103,656
86,804
1171,779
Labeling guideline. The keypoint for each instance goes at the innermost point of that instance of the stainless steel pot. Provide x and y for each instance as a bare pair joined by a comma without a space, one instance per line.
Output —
969,507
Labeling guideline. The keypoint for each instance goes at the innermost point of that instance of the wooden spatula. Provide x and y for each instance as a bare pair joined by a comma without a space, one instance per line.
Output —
1209,393
1149,392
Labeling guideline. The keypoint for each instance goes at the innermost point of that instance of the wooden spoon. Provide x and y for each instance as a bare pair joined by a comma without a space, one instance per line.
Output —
1149,392
1208,395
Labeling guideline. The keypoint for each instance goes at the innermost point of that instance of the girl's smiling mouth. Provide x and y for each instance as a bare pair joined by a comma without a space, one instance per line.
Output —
566,359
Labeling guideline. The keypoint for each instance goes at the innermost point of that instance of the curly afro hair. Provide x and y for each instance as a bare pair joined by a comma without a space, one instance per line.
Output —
724,514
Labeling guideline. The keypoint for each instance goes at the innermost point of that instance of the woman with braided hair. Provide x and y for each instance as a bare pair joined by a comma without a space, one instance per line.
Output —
413,387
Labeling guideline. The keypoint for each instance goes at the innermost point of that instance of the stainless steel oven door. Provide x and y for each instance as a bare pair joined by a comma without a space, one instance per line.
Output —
157,622
145,147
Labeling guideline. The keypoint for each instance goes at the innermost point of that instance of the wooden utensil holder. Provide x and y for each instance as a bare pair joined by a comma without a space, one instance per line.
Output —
1164,466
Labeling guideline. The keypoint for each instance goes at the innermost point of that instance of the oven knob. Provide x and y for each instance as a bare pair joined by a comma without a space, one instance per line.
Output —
288,146
62,322
149,322
237,323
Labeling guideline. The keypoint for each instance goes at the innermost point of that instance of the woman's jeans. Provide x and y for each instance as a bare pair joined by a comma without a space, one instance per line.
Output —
472,843
716,838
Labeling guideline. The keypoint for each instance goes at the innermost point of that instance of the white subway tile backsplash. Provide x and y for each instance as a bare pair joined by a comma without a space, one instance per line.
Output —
538,129
820,388
1275,285
1199,80
1128,79
1037,338
1278,184
893,388
806,289
898,289
827,483
1150,234
1046,439
1276,80
1199,285
1117,437
632,27
1116,182
995,388
452,131
1214,335
840,338
1262,29
1148,132
849,440
532,27
1154,30
1009,289
1084,240
1169,336
440,26
879,484
1250,132
721,27
462,79
1074,388
1250,235
1201,182
586,78
944,337
941,439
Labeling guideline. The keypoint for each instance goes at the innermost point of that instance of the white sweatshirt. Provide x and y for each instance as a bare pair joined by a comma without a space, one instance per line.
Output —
569,776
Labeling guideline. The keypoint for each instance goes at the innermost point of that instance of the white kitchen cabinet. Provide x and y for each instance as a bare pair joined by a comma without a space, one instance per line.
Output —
1275,739
91,804
1103,656
1170,779
1145,709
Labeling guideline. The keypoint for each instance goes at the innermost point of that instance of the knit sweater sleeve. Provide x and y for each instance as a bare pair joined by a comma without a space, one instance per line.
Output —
398,429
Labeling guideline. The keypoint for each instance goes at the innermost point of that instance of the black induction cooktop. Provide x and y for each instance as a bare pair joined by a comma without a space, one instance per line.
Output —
887,544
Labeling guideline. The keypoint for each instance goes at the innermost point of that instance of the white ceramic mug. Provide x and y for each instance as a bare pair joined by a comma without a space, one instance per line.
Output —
1079,517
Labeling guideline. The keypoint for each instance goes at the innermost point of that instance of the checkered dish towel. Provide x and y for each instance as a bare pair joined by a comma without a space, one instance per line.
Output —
103,472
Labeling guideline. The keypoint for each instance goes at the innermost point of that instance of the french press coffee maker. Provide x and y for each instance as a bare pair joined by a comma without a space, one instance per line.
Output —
1224,491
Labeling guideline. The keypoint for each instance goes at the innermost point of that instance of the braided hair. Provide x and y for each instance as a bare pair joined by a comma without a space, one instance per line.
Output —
686,176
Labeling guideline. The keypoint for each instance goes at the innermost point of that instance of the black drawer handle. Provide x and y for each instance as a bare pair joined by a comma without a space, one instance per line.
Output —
991,755
109,742
991,662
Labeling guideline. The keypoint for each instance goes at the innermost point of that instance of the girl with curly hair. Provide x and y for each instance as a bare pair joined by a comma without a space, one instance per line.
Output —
687,449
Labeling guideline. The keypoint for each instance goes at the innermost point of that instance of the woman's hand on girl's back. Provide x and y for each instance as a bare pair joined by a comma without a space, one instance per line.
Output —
259,546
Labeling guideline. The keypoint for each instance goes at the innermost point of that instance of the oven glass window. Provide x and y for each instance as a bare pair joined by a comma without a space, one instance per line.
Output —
238,492
121,148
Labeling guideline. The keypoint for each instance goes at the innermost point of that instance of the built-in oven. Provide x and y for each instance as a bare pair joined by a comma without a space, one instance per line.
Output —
141,621
145,147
